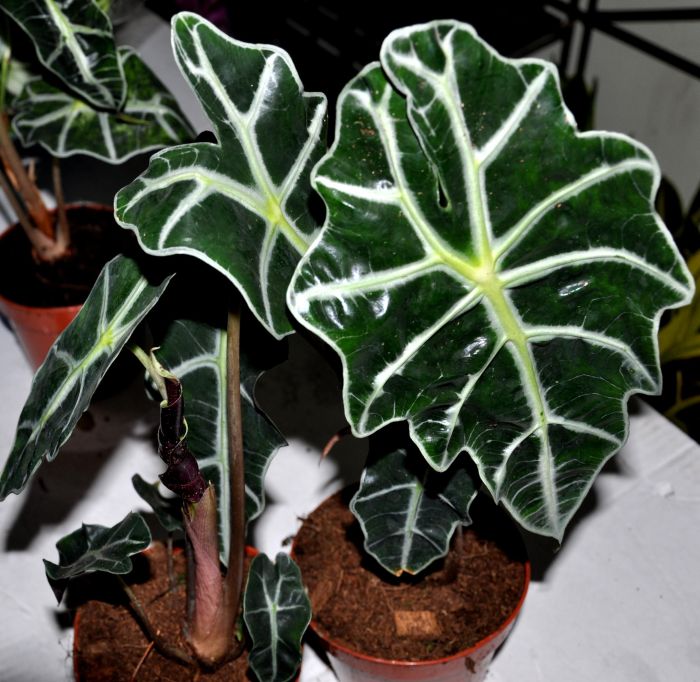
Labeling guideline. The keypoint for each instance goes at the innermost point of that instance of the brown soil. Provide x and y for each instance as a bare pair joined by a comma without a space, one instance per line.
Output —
110,645
449,608
95,239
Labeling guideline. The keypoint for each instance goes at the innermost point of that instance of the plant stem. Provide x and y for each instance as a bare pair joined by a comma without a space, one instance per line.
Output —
236,549
161,645
63,236
27,190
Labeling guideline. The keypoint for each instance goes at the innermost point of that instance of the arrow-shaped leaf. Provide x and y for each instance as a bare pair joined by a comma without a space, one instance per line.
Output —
486,272
408,511
240,205
195,352
74,40
276,612
97,548
75,365
64,125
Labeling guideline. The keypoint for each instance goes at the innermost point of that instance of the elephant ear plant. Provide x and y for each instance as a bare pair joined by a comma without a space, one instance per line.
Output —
239,205
77,94
488,274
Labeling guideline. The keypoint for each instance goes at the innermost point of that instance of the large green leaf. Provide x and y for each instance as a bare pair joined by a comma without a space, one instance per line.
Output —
195,352
150,118
486,272
240,205
97,548
73,38
408,511
75,365
276,612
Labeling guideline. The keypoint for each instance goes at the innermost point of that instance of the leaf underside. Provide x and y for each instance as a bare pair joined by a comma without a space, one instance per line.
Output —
486,272
408,511
150,118
65,382
73,39
240,205
94,548
276,612
195,352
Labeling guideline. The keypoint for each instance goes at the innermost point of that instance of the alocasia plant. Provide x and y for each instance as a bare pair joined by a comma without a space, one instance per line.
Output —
216,443
99,100
486,272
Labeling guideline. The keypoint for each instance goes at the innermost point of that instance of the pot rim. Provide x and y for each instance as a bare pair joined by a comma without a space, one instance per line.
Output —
464,653
16,226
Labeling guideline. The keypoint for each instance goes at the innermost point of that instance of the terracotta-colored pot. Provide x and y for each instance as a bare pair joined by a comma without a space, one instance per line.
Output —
37,328
469,665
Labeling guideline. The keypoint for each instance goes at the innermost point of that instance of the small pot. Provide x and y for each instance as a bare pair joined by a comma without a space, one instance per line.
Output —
469,665
37,328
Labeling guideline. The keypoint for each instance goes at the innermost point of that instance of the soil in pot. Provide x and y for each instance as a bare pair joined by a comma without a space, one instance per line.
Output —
95,239
448,608
111,647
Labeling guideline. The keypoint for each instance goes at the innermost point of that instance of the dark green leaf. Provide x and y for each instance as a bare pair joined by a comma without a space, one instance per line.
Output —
64,384
408,511
73,38
97,548
276,612
240,205
476,270
150,118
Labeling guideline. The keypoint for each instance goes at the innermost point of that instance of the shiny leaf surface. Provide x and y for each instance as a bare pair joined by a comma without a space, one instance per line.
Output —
408,511
73,39
64,125
486,272
240,205
168,510
276,612
65,382
97,548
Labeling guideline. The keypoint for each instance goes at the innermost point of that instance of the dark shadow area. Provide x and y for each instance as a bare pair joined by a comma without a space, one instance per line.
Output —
61,484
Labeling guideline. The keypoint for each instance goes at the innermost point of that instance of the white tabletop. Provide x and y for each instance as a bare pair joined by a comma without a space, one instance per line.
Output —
618,602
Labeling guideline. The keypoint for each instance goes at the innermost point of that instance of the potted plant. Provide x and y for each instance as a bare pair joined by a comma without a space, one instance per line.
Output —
66,86
473,275
490,276
255,179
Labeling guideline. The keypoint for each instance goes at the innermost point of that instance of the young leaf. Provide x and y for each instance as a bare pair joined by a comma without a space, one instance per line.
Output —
97,548
75,365
64,125
195,352
240,205
276,611
486,272
408,511
168,510
73,38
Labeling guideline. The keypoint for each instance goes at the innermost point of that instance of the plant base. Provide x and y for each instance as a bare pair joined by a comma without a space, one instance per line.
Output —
109,645
443,625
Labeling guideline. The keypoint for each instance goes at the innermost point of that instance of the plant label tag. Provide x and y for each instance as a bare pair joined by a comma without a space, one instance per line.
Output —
416,624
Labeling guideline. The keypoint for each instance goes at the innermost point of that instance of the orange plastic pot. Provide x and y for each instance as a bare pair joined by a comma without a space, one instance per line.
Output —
469,665
36,328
